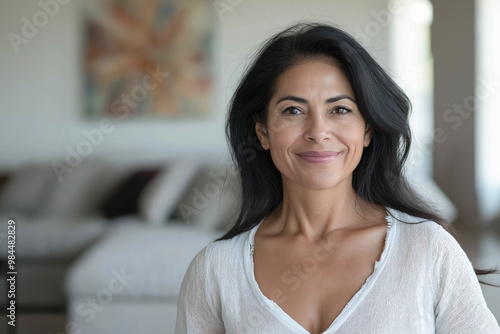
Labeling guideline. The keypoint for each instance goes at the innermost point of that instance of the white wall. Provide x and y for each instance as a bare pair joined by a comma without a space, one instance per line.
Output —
41,93
487,100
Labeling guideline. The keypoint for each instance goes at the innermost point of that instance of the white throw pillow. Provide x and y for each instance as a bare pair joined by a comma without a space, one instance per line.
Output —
212,200
162,193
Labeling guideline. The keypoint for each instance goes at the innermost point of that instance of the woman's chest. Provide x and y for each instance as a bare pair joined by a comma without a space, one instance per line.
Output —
313,283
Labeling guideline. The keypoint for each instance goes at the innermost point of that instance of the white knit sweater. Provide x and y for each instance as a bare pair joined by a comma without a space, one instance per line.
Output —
423,283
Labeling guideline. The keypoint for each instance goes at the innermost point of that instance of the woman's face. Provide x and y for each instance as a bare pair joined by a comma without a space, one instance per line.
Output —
313,109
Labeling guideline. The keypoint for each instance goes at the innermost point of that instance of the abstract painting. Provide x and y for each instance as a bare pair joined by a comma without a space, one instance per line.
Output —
148,58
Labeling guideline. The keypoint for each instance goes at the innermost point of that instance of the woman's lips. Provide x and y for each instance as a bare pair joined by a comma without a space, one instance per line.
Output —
318,157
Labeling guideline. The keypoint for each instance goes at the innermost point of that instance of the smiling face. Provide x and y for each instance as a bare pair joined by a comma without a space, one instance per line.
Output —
314,109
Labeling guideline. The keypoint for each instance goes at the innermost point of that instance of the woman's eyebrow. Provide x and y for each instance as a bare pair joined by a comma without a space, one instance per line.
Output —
302,100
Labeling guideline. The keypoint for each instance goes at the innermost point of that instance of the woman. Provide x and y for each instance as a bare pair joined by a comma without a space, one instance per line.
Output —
330,238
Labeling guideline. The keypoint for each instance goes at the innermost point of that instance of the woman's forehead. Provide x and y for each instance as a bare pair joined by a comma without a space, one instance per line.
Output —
313,78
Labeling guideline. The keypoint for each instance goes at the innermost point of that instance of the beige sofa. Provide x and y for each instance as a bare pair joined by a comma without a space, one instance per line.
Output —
68,253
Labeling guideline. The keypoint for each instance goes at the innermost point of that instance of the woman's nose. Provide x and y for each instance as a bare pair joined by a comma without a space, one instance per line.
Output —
317,128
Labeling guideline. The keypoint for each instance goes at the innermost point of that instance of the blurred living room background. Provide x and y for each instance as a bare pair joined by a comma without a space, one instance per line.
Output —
114,165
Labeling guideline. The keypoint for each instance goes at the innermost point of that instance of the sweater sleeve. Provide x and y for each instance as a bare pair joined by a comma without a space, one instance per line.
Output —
460,306
198,306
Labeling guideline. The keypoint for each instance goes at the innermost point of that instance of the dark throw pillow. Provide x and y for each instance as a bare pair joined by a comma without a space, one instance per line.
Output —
124,201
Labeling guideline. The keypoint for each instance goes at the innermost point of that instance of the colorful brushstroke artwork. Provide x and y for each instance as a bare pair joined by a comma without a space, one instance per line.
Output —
148,58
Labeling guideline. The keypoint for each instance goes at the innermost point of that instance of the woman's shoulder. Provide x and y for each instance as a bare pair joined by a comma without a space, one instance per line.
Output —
219,252
420,229
427,235
420,238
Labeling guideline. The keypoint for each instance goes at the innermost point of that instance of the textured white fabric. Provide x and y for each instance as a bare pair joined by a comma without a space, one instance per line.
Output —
423,283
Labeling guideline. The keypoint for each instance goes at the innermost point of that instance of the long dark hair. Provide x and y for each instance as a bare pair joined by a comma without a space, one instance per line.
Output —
378,178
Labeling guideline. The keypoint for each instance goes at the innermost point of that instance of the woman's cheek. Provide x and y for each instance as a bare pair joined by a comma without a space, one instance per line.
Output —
277,124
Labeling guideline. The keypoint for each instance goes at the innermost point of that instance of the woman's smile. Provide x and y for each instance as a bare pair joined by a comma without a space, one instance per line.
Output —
318,156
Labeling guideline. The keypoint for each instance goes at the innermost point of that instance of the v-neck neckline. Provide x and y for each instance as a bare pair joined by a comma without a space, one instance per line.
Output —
286,319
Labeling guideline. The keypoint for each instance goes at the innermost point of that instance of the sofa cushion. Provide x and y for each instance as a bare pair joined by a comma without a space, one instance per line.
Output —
52,239
141,260
211,200
131,316
161,195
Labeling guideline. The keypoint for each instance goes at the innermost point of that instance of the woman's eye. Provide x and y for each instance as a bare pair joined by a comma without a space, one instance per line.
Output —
342,110
293,111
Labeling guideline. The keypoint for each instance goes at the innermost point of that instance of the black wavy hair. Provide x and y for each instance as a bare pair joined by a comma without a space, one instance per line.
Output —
378,178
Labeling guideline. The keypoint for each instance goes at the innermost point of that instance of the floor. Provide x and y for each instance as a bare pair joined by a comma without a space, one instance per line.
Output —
482,246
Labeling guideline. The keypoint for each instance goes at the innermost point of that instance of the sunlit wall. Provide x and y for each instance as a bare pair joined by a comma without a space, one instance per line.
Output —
487,101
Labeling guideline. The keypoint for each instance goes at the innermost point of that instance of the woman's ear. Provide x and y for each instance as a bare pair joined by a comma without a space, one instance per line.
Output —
261,131
368,135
